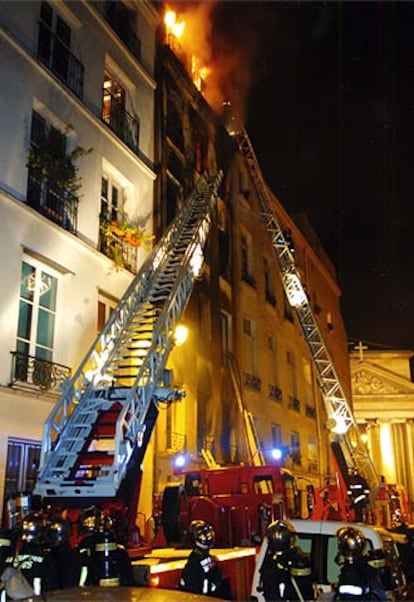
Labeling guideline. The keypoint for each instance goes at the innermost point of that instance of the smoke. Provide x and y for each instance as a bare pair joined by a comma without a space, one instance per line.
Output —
228,38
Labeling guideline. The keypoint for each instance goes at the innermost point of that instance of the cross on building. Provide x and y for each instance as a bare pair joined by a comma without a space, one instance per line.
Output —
361,348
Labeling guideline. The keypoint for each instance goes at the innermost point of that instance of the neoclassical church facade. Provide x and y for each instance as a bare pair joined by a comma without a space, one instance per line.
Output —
383,402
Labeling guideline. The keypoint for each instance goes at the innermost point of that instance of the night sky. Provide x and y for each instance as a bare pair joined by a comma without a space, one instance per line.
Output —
330,113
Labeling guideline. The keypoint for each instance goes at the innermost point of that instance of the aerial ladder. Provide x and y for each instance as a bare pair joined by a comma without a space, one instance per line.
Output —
255,452
95,437
348,448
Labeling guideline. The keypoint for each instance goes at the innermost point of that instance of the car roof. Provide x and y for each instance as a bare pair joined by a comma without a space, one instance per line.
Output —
331,527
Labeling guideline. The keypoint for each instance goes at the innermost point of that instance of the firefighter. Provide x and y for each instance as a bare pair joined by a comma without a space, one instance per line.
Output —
89,524
358,493
286,572
361,573
31,556
202,574
101,560
61,552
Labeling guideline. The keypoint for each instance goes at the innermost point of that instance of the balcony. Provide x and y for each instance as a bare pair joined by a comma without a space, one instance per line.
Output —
59,59
61,208
252,382
117,246
294,404
29,372
275,393
116,16
124,125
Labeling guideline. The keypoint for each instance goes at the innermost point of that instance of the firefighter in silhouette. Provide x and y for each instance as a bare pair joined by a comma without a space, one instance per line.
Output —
31,554
286,572
363,575
101,560
61,552
89,524
201,573
358,494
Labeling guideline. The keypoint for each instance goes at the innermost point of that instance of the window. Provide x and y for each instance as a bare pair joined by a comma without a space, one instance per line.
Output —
105,307
114,113
53,49
246,260
249,347
225,329
269,286
112,200
113,102
52,174
21,466
295,447
291,361
276,435
37,310
54,40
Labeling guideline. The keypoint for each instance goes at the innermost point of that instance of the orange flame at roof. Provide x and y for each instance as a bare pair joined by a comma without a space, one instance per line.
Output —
174,27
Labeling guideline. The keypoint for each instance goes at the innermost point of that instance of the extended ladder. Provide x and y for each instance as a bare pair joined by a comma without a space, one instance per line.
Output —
108,408
341,420
252,437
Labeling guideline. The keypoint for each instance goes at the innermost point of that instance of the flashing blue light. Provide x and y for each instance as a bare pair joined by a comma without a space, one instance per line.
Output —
276,453
180,461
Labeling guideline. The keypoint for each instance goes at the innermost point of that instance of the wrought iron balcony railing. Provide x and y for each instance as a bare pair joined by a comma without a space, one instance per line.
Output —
124,125
31,372
275,392
61,208
294,403
52,51
123,253
123,30
252,382
176,442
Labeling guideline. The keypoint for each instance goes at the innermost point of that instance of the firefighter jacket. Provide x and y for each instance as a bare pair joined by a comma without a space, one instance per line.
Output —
38,567
358,581
287,576
202,575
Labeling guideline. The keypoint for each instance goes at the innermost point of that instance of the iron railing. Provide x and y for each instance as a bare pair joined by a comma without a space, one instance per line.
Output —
54,53
121,252
124,125
111,13
30,371
61,208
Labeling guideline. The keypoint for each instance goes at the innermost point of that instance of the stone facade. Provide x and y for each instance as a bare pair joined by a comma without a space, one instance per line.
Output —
383,401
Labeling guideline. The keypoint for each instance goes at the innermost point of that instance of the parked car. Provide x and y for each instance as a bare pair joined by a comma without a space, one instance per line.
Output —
318,539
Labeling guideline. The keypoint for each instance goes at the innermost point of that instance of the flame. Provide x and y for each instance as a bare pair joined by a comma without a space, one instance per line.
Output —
174,27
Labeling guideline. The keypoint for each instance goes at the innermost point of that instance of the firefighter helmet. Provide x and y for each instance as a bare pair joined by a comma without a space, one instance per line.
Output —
202,534
59,530
281,535
34,528
351,543
90,521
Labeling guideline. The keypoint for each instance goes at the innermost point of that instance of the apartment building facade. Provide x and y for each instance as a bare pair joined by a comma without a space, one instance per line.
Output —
77,109
238,317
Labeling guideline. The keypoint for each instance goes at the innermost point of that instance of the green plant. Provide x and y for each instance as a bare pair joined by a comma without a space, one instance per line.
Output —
49,163
132,234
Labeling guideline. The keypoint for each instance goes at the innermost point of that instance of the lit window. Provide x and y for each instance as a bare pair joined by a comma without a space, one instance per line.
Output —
37,310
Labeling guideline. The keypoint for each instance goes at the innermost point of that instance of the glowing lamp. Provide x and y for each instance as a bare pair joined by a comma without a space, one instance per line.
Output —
276,453
180,334
180,461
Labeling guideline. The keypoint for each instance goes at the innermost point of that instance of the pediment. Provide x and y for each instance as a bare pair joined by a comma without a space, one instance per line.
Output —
371,379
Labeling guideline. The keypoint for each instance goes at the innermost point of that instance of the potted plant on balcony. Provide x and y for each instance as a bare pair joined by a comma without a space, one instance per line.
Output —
132,234
52,167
